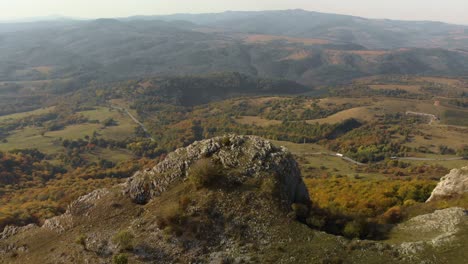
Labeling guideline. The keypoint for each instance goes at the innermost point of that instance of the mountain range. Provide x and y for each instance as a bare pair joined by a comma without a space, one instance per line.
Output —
309,47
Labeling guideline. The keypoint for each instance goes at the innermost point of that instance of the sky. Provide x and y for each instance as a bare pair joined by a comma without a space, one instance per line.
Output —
452,11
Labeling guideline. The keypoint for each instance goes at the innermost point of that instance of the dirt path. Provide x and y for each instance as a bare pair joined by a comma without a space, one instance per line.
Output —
333,155
135,120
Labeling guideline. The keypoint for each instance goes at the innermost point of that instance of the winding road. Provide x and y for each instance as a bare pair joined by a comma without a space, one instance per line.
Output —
338,155
134,120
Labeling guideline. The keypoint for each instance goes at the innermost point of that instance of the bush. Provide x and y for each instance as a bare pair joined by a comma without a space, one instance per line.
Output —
109,122
226,141
301,211
204,173
124,239
353,229
316,221
120,259
81,240
270,187
393,215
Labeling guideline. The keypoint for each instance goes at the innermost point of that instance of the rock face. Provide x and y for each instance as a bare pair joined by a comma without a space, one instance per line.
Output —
452,184
80,206
435,229
249,156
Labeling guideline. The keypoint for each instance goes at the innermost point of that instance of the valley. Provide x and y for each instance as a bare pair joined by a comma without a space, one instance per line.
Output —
226,138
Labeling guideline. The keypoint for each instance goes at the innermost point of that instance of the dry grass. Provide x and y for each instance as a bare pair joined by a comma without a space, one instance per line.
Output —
408,88
145,84
359,113
297,55
440,80
44,69
338,56
269,38
17,116
255,120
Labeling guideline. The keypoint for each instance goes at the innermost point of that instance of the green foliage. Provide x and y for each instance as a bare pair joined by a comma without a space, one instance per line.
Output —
203,173
120,259
81,240
394,215
226,141
109,122
354,229
463,152
124,239
301,211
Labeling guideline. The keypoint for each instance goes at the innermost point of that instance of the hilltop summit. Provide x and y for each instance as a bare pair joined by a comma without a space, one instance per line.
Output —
212,200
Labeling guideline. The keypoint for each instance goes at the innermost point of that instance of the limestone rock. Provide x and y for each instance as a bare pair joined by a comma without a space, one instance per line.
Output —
435,229
80,207
454,183
250,156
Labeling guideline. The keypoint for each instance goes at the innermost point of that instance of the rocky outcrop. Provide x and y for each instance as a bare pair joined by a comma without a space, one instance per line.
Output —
435,229
9,231
80,207
249,156
453,184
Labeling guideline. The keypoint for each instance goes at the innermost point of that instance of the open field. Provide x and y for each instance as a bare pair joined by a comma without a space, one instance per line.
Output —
124,129
456,117
49,142
269,38
16,116
439,135
30,137
313,163
359,113
257,121
44,69
408,88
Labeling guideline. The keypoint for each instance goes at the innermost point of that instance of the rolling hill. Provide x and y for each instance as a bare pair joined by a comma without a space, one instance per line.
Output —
314,49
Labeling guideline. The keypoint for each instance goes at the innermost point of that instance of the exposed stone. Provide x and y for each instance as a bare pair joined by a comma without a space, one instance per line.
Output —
250,156
9,230
435,229
452,184
79,207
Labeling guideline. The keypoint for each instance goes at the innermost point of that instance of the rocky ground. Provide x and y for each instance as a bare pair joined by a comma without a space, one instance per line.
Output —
222,200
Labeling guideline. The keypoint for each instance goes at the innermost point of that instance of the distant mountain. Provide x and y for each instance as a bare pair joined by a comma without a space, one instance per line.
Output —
120,49
371,33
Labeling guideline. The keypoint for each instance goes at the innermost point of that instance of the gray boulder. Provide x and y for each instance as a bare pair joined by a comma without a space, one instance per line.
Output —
249,156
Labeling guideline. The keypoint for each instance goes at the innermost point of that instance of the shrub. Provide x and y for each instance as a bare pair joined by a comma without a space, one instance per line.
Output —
120,259
124,239
203,173
316,221
226,141
270,187
301,211
353,229
109,122
81,240
393,215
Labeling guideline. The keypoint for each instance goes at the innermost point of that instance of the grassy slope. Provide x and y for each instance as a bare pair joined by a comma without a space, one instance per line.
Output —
30,137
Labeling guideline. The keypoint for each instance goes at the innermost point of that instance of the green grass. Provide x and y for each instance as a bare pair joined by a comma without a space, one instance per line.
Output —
456,117
16,116
124,129
315,165
75,131
114,155
30,137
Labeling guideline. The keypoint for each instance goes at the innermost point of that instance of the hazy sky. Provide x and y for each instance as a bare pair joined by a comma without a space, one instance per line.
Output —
454,11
